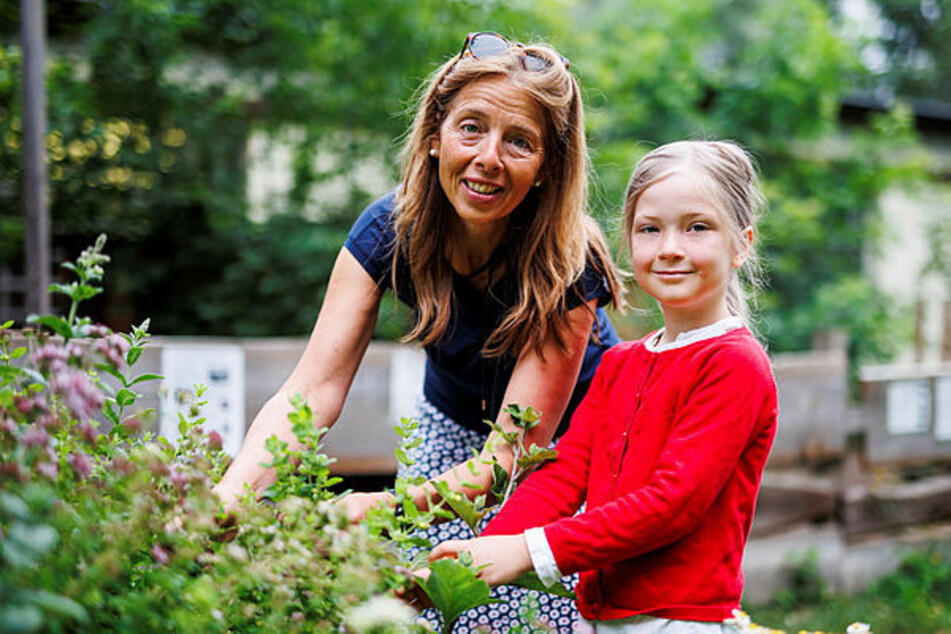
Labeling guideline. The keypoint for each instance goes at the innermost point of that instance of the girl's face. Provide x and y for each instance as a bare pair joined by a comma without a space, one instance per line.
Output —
684,251
490,149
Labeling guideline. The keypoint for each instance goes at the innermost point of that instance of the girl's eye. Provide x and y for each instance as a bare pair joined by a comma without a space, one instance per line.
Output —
646,229
699,226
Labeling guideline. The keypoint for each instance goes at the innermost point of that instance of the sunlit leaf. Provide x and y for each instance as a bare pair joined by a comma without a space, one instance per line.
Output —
454,588
531,581
461,505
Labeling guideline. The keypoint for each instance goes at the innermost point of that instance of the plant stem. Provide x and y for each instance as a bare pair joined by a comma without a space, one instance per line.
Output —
72,313
510,485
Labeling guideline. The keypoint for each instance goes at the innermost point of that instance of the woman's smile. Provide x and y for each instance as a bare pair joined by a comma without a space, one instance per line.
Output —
482,188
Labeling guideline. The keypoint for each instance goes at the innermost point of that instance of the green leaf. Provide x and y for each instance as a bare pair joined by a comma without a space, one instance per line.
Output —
109,410
12,372
7,324
16,353
21,618
143,414
13,506
461,505
410,510
500,480
536,457
111,371
25,544
454,588
420,560
145,377
65,289
531,581
57,324
523,417
494,426
84,292
402,456
133,355
126,397
58,605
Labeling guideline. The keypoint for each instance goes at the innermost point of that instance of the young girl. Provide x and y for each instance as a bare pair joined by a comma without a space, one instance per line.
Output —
667,449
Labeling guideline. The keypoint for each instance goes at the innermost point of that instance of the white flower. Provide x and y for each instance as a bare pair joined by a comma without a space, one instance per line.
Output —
741,620
859,628
379,611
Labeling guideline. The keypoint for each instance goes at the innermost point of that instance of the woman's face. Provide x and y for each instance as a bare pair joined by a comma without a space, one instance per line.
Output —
490,149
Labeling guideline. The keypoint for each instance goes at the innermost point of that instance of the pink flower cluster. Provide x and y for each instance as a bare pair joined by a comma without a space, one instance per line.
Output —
80,463
35,437
54,357
77,392
113,347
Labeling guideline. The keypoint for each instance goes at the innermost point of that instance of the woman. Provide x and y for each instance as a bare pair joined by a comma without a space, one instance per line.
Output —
488,241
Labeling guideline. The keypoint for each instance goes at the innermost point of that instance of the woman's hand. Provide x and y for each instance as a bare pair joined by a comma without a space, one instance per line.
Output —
357,504
498,559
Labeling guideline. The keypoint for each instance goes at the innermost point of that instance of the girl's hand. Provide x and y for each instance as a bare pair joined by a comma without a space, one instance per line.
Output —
357,504
499,559
414,595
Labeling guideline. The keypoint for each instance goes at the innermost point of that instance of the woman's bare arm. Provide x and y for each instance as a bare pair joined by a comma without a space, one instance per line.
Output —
323,374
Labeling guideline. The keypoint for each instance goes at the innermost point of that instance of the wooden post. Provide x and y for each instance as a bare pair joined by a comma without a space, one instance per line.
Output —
35,183
919,330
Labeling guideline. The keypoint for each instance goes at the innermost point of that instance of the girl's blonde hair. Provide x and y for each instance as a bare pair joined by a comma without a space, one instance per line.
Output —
556,239
731,182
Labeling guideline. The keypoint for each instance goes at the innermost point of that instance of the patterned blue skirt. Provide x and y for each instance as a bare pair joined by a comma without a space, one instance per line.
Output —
445,445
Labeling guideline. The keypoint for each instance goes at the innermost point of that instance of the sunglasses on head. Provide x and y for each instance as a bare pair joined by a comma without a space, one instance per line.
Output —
486,44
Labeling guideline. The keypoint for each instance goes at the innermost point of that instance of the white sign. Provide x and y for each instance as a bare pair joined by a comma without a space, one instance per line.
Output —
220,368
908,407
407,369
942,408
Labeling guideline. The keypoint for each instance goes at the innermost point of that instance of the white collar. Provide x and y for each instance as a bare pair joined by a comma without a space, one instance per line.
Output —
716,329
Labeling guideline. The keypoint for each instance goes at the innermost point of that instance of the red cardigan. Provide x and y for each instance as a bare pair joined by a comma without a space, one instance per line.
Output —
667,450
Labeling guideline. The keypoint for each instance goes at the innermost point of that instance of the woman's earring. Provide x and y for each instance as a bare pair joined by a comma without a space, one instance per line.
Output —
433,152
537,183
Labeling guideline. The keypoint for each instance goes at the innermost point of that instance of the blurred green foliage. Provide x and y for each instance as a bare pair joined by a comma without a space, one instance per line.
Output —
912,49
914,598
152,103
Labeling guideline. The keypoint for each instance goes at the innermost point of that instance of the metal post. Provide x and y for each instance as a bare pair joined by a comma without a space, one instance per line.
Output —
35,183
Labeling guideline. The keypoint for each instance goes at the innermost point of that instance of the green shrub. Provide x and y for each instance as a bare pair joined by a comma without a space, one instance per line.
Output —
105,527
915,598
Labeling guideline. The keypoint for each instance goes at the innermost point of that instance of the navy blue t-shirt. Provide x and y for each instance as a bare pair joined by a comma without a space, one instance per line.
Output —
457,376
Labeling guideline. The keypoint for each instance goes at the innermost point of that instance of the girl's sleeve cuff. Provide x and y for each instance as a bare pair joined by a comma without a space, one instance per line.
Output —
543,560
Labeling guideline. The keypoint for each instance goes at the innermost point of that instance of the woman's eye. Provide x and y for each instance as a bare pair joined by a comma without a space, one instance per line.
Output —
521,143
470,128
